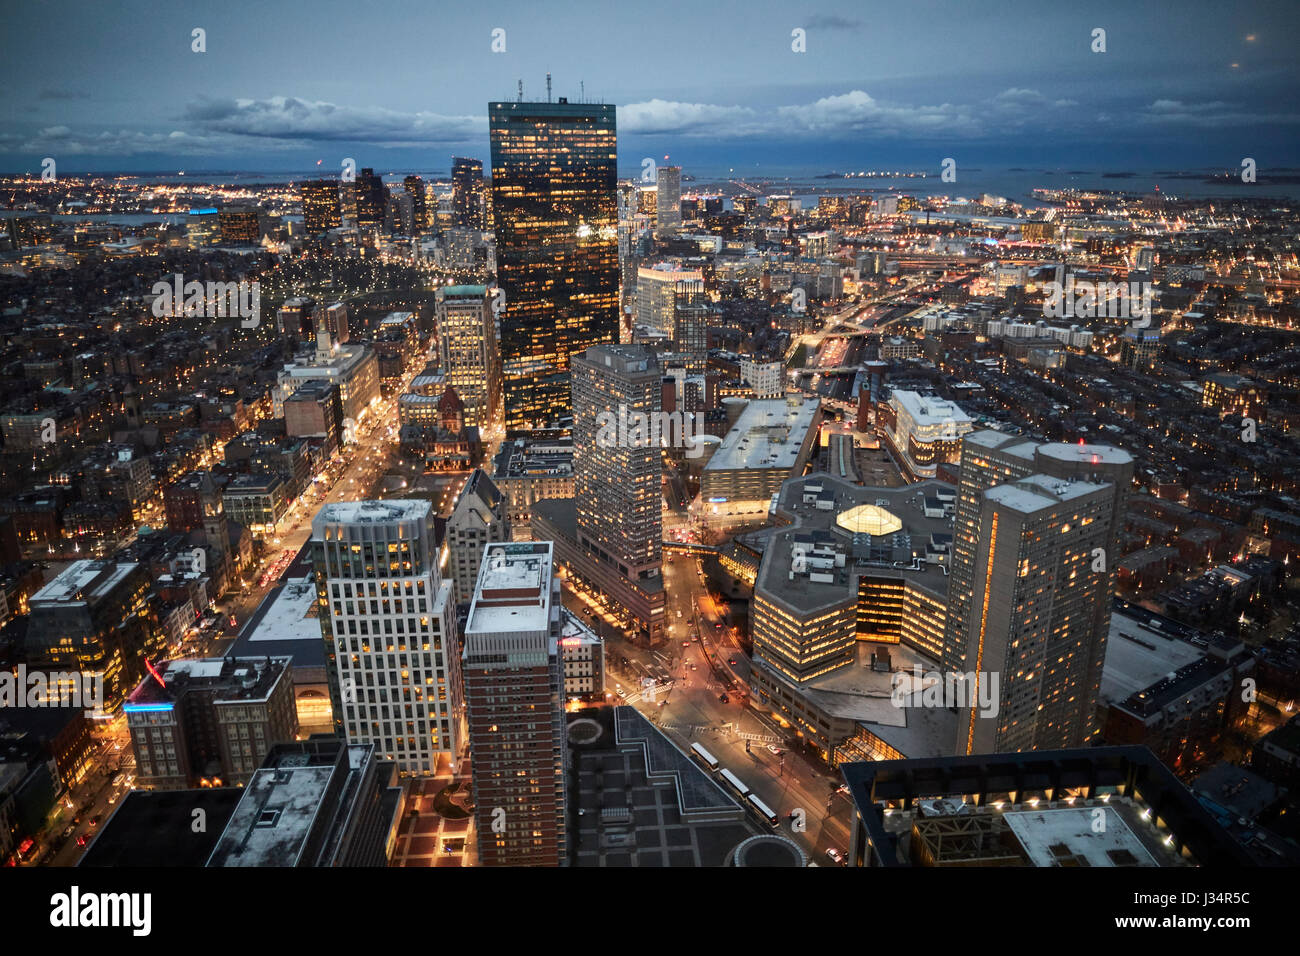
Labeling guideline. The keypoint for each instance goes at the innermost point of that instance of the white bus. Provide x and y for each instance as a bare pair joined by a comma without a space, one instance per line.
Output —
704,757
735,783
763,810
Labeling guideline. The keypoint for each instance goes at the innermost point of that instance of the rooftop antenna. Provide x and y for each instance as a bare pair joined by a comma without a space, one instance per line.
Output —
521,91
548,87
582,92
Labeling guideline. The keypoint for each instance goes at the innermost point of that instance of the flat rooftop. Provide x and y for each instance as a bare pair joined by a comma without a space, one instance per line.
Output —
513,592
286,623
1070,836
768,434
372,512
84,581
1137,656
900,553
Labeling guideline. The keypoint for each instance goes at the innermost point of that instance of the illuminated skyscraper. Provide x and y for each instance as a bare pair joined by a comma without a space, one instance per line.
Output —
467,350
669,200
556,220
320,205
514,695
618,470
467,193
388,620
414,187
372,198
1034,551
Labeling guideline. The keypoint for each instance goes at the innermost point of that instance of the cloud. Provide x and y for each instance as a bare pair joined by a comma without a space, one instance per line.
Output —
293,120
1211,115
63,95
832,22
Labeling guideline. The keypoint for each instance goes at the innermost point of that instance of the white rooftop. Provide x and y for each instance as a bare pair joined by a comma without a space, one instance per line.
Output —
367,512
768,434
928,410
1038,492
287,618
1135,662
1073,828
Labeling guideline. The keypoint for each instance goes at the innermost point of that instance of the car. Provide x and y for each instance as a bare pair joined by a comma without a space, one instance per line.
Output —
724,698
67,831
686,643
774,749
94,821
836,856
842,788
731,661
81,839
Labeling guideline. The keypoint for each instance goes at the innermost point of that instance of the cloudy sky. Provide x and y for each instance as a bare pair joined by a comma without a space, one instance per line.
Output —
404,84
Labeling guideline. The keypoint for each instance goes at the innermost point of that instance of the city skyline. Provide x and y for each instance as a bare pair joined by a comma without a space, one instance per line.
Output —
854,95
650,437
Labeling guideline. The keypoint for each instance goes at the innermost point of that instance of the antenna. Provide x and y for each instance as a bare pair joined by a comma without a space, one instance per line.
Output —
521,91
548,87
582,92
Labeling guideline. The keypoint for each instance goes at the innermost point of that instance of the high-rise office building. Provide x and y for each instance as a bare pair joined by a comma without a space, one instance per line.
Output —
656,294
1037,596
617,482
372,199
691,324
321,210
618,467
514,695
414,187
468,352
241,225
556,222
1035,543
467,201
669,201
389,625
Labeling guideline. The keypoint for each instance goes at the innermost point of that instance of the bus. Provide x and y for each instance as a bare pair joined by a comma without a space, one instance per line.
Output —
704,757
735,783
763,810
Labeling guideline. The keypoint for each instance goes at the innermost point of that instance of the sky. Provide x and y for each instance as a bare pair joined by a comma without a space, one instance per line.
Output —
115,85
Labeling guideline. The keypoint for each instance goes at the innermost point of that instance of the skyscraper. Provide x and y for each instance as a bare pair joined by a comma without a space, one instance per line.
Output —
321,210
389,625
669,200
514,695
414,187
553,196
1034,550
617,475
372,199
1036,600
467,193
691,324
468,352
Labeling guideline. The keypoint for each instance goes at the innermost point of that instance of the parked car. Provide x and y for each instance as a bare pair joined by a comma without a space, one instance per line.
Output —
836,856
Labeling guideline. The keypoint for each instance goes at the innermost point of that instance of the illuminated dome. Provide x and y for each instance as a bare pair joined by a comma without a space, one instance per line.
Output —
869,519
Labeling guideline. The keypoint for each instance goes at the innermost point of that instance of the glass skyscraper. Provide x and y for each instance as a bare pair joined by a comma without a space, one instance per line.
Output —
556,219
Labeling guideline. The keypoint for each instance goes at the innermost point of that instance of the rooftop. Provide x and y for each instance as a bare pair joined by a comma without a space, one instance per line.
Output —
768,434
